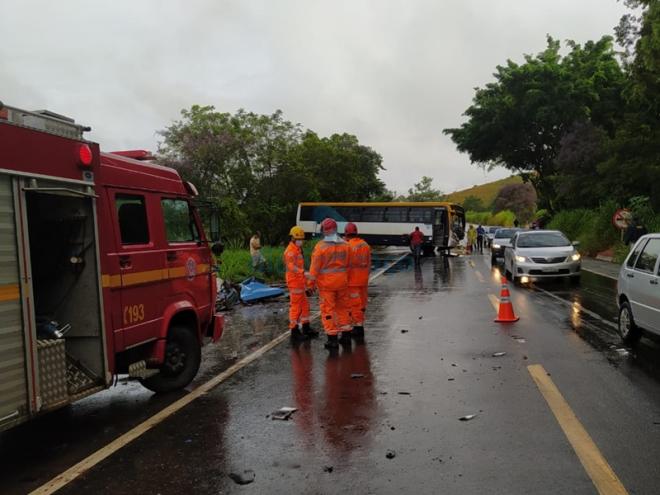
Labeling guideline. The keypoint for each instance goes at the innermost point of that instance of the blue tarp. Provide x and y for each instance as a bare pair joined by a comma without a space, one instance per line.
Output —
252,290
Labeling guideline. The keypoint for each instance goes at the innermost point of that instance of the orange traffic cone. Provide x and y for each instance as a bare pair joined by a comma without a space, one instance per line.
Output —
505,314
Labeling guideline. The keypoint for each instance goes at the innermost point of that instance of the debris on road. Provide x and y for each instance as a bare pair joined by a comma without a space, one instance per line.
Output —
244,478
252,290
521,340
283,413
403,330
420,317
467,417
404,393
391,454
451,379
499,354
328,469
357,375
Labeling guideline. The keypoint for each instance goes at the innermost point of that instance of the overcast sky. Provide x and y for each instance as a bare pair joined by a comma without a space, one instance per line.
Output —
394,73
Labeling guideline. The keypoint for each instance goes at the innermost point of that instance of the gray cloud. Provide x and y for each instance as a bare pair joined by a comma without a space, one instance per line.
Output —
395,73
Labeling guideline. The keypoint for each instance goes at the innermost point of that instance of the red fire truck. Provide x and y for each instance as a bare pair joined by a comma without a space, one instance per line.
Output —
105,268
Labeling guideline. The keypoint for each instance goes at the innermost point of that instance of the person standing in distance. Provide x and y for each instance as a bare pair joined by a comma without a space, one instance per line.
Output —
359,266
416,241
329,273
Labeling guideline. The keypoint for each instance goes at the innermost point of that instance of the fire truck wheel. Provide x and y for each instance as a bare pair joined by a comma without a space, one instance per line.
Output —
182,358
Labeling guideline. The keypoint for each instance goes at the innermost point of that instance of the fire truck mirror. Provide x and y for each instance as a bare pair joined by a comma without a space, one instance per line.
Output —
217,248
214,226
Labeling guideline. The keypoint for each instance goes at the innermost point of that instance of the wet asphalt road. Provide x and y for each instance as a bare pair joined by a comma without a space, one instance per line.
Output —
414,387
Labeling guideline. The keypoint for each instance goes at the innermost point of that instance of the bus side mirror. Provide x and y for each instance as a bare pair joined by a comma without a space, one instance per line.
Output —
214,227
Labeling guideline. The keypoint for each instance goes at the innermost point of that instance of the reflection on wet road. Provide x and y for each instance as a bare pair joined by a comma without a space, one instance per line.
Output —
382,417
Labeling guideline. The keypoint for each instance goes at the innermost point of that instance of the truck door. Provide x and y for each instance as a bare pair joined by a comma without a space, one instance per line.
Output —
13,383
440,226
188,258
142,267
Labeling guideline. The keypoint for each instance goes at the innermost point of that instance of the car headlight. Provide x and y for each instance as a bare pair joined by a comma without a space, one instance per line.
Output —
576,256
496,246
521,259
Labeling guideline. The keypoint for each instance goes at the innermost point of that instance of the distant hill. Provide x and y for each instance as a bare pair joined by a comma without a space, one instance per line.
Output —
485,192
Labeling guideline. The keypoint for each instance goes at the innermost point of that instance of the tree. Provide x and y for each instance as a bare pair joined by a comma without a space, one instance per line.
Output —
257,168
519,120
423,191
519,198
472,203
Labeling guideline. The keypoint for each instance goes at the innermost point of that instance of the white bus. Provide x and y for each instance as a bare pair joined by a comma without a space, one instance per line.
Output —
389,224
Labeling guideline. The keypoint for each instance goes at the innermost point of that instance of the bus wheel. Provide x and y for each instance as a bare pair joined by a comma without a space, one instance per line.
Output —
183,356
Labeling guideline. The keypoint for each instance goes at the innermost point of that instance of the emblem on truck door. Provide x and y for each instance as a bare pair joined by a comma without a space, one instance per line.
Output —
191,268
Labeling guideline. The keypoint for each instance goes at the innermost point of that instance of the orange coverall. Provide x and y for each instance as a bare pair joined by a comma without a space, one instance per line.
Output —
329,273
295,281
359,265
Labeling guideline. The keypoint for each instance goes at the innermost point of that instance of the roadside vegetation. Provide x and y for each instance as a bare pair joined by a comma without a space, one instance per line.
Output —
581,123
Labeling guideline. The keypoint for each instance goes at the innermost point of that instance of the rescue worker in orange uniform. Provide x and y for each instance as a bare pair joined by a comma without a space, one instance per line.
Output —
296,281
359,266
329,273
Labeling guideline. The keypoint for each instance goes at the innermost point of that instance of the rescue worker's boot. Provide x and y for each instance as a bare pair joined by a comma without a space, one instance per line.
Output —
332,343
297,335
345,338
358,332
308,331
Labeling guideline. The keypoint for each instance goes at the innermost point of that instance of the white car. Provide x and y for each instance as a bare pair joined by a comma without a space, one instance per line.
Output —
501,240
536,254
638,290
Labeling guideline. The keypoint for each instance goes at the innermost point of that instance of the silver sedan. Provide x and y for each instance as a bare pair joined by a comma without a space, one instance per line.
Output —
541,254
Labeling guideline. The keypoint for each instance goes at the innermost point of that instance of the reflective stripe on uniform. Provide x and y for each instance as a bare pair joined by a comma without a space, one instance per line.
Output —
332,270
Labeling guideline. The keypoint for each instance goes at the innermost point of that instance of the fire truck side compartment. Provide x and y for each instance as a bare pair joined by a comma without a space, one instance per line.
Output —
65,280
13,379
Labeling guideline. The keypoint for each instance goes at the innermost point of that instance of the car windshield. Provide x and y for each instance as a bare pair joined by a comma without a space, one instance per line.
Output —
504,233
543,239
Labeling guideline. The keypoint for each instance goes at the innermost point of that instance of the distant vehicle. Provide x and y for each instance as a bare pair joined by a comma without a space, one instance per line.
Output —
501,240
490,234
541,254
388,224
638,290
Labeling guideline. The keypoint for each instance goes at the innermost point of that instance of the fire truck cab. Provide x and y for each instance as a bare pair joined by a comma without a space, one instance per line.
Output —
105,268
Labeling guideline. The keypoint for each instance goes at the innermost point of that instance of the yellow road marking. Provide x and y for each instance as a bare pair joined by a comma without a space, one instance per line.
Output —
600,472
494,301
480,277
9,292
89,462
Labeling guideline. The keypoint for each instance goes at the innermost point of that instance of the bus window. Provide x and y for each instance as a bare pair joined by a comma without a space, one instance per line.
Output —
373,214
421,215
397,214
307,213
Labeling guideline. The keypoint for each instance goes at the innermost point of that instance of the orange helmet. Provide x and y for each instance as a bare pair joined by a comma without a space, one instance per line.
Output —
350,229
328,225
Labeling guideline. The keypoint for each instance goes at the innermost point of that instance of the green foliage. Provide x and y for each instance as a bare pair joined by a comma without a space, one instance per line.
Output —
257,168
591,227
485,192
519,198
503,218
473,203
518,120
423,191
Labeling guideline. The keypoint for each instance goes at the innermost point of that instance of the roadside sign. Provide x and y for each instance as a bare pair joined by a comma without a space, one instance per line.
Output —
621,218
